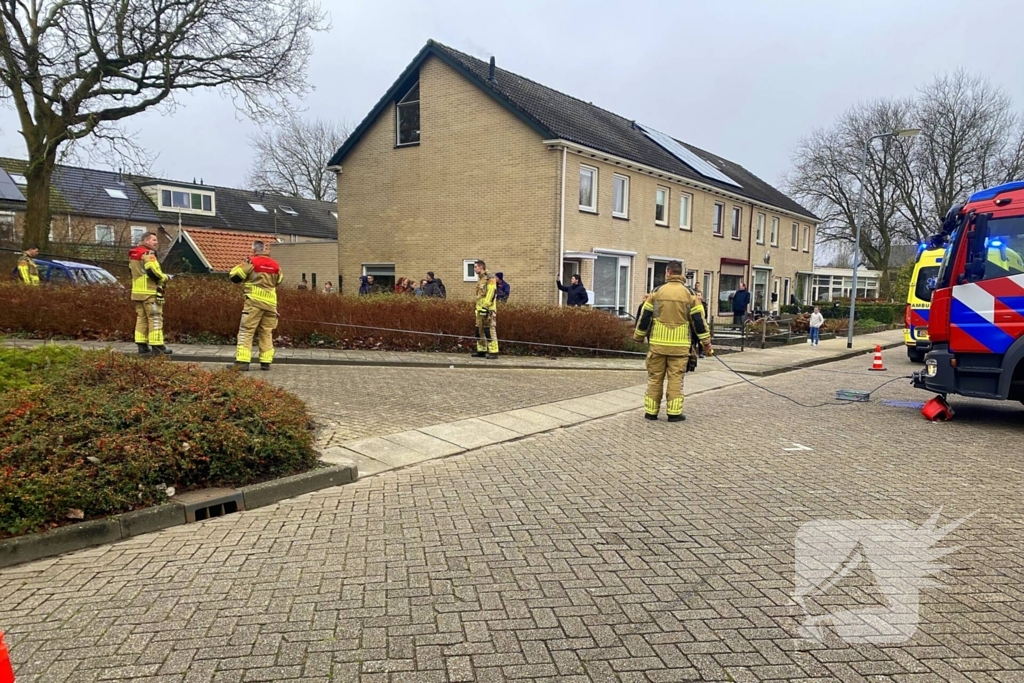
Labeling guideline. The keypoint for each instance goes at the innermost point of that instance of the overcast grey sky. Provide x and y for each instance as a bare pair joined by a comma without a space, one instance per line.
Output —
745,79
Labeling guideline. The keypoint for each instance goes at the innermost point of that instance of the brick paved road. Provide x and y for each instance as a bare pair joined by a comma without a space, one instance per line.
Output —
358,402
619,550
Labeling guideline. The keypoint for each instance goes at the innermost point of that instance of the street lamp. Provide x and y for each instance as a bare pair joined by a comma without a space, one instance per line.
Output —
900,133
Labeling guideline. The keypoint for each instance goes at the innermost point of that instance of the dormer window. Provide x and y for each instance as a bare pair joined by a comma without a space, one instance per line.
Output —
408,117
182,200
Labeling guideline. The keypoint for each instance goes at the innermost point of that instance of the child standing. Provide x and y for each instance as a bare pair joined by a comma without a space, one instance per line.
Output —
817,320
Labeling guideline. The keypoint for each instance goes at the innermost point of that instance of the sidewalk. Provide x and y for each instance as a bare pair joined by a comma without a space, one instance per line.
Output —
754,362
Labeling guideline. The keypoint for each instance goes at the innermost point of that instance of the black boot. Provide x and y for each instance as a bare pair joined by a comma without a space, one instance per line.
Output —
676,418
143,349
479,354
491,356
239,366
265,367
161,350
649,416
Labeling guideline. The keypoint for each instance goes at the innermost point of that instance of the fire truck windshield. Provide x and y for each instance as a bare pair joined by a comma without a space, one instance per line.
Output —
1005,244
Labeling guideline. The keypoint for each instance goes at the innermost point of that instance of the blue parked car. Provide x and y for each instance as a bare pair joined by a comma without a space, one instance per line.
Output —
57,272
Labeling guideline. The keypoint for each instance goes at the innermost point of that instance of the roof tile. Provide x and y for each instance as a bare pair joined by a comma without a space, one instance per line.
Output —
225,249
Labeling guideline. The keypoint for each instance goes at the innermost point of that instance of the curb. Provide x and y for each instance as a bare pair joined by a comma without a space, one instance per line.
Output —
846,355
30,547
458,365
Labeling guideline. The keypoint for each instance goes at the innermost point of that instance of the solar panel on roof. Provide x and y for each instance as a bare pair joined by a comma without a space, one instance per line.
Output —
8,190
684,155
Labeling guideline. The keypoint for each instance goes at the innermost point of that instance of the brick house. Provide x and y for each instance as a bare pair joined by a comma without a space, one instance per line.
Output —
97,214
462,160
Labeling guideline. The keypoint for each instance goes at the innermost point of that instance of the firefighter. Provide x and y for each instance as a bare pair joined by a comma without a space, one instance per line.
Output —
261,275
28,272
665,321
148,282
486,313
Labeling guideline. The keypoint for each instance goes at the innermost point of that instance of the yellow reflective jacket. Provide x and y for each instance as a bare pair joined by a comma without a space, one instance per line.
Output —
486,289
147,277
666,317
261,275
28,272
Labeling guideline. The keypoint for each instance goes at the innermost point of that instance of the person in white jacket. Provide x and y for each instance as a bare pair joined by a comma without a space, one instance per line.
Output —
817,320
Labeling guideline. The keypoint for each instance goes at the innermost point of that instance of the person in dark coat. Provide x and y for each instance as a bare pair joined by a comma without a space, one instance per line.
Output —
434,287
577,293
740,302
365,285
504,289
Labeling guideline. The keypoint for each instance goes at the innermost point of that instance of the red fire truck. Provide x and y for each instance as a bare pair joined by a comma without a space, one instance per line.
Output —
976,325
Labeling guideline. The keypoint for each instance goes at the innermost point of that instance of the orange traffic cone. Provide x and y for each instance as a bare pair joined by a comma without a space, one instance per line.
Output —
6,670
878,359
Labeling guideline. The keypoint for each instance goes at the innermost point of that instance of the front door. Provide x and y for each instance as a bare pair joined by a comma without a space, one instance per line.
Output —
569,268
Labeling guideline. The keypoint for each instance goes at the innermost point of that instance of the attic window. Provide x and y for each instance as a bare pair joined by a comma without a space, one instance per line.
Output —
258,208
335,214
289,210
115,193
408,117
18,178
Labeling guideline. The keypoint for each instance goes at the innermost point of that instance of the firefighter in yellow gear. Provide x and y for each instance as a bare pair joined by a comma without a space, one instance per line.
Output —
148,282
665,322
261,275
486,313
28,272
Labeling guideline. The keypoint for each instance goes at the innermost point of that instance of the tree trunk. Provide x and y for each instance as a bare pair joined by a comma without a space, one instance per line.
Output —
39,175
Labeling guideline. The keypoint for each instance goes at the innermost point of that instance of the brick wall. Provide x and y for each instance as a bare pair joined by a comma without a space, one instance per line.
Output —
479,185
309,258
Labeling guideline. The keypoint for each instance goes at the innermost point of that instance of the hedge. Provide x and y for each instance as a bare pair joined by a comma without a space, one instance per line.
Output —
207,310
97,433
884,313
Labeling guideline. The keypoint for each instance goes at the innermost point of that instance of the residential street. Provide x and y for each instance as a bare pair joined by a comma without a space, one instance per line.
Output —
615,550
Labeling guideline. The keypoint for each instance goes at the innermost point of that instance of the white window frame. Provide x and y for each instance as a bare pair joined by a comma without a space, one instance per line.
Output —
761,218
625,195
144,230
258,208
668,199
718,212
115,193
96,232
592,208
398,118
685,216
807,238
160,189
775,231
787,290
467,270
795,237
736,223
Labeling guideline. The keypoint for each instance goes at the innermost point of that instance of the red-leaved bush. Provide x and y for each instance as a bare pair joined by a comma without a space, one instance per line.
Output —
102,433
207,310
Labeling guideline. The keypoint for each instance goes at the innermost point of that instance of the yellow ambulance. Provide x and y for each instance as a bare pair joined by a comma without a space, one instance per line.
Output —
915,332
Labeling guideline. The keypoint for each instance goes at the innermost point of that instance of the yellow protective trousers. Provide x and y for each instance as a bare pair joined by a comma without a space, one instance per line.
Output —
659,368
487,332
261,324
149,321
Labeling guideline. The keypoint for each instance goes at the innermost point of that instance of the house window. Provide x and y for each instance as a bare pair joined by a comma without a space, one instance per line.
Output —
138,232
760,228
611,284
785,291
115,193
796,237
468,271
727,287
258,208
737,219
178,200
289,210
661,206
691,278
620,196
807,238
18,178
708,275
6,227
716,219
775,231
408,117
588,188
685,204
104,234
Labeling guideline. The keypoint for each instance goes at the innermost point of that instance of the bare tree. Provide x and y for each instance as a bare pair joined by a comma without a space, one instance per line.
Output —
292,159
72,69
827,178
970,139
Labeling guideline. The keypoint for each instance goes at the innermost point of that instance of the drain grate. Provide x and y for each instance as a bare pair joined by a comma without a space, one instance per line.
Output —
210,503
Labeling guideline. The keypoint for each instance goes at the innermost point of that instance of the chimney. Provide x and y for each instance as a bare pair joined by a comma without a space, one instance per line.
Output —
490,77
